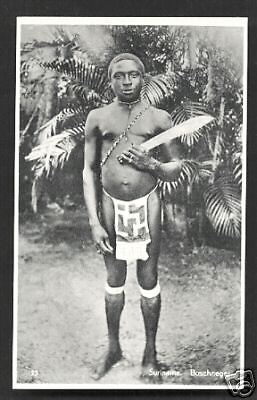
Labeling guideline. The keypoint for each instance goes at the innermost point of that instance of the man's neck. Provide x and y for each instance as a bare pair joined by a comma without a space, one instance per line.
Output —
129,104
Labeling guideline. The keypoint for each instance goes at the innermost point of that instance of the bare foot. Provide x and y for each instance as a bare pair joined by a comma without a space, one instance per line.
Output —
105,363
151,373
152,370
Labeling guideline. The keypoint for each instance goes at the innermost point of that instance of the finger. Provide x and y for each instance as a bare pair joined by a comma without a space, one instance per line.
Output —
126,158
134,151
139,148
104,248
108,245
126,153
137,153
131,161
131,152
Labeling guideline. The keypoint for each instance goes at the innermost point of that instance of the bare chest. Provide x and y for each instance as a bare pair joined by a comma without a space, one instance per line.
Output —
112,126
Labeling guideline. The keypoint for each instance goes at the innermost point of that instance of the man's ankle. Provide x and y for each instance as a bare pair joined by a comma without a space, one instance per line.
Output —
149,355
114,347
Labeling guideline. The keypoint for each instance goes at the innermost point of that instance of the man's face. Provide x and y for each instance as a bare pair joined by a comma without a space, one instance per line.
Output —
126,80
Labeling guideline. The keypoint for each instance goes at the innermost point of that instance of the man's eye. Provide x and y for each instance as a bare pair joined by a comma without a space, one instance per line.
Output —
117,76
134,75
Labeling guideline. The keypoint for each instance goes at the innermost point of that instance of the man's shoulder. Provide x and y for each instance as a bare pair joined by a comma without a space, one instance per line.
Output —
158,112
98,113
162,118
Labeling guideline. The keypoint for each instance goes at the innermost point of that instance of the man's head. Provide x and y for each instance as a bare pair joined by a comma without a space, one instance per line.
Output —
126,73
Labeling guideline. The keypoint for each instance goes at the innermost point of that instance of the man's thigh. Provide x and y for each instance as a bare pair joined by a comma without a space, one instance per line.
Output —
147,271
116,269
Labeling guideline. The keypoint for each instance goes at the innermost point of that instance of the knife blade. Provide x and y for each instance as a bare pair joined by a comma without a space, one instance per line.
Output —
189,126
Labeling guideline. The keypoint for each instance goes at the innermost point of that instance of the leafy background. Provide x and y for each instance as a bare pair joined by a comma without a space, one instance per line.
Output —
190,71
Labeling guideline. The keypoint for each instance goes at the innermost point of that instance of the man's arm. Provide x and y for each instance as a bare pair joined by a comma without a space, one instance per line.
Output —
90,183
167,171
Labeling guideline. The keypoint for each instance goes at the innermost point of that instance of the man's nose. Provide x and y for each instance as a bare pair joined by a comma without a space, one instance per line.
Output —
127,80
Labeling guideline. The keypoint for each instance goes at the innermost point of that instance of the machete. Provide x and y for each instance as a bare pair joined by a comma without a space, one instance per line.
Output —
189,126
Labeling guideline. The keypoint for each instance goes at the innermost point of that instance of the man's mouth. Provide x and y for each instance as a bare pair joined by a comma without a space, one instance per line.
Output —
127,91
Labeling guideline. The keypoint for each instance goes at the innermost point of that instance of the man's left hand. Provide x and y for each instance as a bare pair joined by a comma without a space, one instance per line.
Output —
138,158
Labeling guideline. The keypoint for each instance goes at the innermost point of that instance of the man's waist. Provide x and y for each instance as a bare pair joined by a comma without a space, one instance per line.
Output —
127,191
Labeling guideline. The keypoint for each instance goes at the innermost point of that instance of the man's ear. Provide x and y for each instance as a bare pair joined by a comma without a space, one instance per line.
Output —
144,79
111,85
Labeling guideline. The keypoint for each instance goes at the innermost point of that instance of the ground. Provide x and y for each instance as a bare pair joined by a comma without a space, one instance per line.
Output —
61,320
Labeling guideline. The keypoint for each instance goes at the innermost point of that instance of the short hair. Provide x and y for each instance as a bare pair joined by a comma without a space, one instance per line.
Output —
126,56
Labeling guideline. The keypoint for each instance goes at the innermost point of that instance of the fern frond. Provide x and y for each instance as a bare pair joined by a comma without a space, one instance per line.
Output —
223,207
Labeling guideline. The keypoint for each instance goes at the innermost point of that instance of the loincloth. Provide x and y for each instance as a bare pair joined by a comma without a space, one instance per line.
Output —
131,227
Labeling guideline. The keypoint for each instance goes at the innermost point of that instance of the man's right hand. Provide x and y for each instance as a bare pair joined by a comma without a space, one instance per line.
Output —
101,239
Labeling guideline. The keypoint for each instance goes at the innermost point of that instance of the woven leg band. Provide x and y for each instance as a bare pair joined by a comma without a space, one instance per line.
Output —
114,290
152,292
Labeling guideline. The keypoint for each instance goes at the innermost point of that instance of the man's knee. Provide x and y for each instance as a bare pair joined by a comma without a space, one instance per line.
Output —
147,278
116,272
116,278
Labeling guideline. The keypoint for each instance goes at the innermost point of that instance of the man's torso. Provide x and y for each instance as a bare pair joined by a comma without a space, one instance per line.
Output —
122,180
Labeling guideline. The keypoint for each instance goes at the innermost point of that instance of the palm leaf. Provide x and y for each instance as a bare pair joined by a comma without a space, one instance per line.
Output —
185,111
88,75
237,168
66,117
54,152
86,95
191,172
157,88
237,172
223,207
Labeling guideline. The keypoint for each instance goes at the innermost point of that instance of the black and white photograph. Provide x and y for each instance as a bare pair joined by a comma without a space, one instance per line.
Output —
130,191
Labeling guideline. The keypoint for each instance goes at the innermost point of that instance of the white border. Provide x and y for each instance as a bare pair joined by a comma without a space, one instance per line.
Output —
16,205
187,21
243,200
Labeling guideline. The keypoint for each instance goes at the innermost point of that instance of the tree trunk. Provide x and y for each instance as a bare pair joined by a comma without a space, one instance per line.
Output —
209,87
46,110
217,147
192,41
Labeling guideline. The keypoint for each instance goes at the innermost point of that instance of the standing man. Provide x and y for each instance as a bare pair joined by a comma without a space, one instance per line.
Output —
123,203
